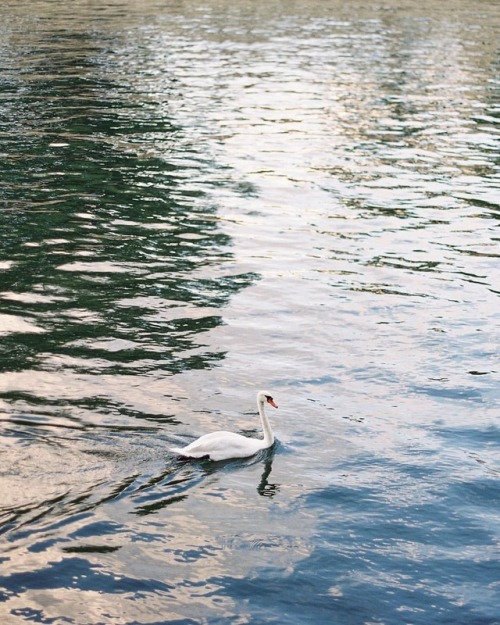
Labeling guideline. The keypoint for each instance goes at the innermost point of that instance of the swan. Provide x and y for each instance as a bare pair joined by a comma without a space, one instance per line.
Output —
225,445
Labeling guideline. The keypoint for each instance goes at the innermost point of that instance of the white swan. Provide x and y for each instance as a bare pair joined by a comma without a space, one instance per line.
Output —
225,445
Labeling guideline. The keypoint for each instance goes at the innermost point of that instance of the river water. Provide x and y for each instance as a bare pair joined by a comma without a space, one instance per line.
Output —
203,199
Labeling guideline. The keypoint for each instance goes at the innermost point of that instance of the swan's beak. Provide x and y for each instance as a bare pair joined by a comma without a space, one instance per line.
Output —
271,401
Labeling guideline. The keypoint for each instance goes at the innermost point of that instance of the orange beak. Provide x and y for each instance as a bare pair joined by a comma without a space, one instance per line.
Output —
272,402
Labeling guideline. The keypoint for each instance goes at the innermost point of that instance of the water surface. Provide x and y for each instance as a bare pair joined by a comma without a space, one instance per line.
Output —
200,200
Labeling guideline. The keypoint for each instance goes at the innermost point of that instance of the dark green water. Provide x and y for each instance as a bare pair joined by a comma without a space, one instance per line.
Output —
199,200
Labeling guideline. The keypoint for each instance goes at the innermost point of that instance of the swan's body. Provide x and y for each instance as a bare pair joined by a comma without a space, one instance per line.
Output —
225,445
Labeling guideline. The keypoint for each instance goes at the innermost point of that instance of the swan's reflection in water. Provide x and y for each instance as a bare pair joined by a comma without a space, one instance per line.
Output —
266,457
179,477
266,488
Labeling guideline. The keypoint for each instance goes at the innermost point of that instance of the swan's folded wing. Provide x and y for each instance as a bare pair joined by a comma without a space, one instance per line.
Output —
221,446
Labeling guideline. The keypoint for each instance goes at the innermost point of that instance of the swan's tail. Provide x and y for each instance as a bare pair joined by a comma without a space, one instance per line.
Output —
186,456
178,450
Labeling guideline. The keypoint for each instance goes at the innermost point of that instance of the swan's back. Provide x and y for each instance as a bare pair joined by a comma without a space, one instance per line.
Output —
221,446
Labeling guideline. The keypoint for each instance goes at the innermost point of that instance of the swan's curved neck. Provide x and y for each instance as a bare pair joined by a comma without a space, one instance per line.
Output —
266,426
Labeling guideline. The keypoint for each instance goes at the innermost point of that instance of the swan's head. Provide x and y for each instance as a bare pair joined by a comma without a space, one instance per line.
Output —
264,396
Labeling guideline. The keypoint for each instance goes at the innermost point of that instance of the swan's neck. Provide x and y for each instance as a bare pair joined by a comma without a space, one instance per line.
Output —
266,426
